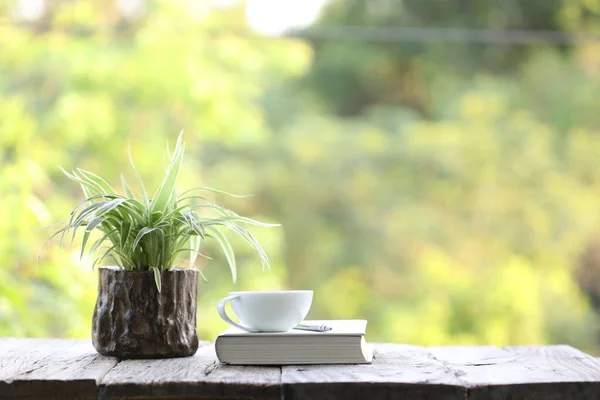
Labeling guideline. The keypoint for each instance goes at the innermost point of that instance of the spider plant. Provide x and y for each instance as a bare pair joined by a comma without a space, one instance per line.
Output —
142,233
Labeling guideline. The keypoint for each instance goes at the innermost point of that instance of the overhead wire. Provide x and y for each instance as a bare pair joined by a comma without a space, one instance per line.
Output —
380,34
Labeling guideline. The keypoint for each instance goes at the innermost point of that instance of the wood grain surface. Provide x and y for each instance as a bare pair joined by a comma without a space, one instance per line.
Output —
71,369
51,369
199,376
398,372
526,372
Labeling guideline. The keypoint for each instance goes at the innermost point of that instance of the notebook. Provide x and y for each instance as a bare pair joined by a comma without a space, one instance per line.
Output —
344,344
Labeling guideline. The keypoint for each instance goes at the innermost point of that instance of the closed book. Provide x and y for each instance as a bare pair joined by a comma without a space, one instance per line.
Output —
344,344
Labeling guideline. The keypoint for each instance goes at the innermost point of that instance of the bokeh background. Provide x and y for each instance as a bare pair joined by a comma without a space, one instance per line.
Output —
434,165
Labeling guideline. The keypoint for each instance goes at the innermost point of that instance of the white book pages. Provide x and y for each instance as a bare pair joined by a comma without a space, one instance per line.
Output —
344,344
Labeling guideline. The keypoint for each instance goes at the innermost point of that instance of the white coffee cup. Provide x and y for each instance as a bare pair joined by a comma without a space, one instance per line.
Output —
268,311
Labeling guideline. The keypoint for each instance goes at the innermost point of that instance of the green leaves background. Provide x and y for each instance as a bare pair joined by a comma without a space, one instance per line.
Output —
446,201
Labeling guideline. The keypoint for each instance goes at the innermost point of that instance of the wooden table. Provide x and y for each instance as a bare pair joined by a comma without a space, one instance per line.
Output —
71,369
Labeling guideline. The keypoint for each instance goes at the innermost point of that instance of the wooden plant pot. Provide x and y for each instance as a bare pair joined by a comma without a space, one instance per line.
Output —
133,320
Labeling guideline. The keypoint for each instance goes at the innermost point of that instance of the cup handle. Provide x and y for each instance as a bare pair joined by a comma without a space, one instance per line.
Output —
223,314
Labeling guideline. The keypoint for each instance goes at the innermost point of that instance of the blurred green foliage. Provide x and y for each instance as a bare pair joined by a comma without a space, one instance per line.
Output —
446,206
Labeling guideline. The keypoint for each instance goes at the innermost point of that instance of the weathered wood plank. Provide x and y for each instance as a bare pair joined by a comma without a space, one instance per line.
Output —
468,355
581,367
199,376
71,369
528,372
398,372
50,369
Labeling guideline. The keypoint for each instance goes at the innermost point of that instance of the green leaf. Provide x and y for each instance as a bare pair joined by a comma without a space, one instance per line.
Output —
145,199
237,218
78,219
125,230
88,230
95,210
122,259
157,278
99,259
126,188
185,249
247,236
100,182
136,210
111,205
86,187
156,216
208,189
166,191
195,248
227,250
189,218
99,242
143,232
202,275
90,185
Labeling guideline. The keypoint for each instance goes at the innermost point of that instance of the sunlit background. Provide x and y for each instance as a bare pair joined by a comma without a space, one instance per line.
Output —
434,166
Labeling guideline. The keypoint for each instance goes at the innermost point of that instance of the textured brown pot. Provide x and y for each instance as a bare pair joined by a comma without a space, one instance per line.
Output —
133,320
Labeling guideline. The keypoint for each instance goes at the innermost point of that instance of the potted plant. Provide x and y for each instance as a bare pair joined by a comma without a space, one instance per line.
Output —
146,306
